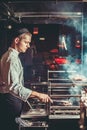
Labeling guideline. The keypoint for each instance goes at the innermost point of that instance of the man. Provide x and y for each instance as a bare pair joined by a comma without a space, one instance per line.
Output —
12,90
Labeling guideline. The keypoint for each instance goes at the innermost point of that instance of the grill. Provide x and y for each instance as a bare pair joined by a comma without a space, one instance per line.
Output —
65,105
66,95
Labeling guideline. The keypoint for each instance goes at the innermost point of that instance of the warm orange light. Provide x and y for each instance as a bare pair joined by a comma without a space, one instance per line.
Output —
35,30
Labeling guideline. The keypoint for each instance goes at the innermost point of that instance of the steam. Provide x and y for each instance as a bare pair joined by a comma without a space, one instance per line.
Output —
76,22
76,72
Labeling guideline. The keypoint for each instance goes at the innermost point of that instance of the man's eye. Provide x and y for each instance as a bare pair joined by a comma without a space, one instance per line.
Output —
26,42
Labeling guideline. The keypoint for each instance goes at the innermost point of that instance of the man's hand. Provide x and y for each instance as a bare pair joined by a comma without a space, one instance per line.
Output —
44,98
41,96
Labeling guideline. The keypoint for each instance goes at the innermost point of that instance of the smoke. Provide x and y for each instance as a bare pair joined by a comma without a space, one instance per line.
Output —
75,91
70,14
78,76
76,23
74,19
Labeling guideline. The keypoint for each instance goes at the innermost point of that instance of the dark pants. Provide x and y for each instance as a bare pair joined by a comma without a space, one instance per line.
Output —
10,108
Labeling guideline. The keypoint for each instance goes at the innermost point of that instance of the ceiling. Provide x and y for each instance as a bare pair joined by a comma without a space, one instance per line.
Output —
45,12
33,11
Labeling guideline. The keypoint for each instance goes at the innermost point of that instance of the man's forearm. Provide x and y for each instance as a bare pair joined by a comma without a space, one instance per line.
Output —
34,94
41,96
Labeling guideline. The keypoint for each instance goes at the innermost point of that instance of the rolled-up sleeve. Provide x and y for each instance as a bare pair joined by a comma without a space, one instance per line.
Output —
16,78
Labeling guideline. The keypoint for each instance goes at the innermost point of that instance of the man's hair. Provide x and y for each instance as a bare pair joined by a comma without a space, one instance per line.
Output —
19,32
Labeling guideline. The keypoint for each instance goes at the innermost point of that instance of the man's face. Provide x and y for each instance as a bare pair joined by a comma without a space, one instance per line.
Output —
24,43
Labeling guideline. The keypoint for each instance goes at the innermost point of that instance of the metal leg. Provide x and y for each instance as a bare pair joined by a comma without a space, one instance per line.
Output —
82,117
45,128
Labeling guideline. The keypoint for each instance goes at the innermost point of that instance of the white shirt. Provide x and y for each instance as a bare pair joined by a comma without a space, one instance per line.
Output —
11,72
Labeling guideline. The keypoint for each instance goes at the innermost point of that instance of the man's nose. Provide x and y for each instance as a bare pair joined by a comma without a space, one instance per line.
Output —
28,45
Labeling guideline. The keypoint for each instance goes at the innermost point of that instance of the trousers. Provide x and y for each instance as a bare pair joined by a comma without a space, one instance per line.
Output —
10,108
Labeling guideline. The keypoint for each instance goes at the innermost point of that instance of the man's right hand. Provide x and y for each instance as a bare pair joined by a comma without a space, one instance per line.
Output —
41,96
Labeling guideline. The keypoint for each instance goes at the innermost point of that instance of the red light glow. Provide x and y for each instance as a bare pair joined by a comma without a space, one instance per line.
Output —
61,60
78,61
35,30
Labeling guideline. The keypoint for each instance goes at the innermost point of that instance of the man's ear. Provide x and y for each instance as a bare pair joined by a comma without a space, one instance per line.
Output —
16,40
